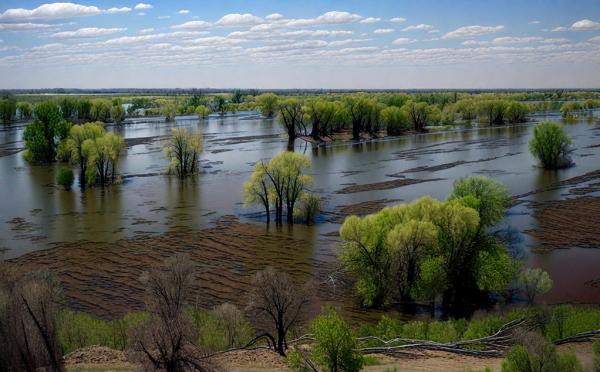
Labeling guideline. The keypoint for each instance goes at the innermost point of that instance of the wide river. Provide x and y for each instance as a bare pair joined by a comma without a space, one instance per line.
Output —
37,215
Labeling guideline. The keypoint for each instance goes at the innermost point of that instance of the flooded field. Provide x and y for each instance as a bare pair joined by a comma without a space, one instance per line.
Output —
100,240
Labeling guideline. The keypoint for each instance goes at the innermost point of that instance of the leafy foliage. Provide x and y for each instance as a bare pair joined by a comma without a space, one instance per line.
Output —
65,178
550,145
183,151
44,133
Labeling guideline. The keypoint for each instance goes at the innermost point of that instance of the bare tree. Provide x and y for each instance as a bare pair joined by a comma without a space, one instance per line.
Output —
279,301
165,341
28,309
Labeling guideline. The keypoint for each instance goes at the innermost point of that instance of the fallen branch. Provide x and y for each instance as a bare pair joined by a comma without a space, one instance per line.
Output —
579,337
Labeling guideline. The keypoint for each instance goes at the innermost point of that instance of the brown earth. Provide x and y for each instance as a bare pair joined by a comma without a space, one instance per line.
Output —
567,223
385,185
361,209
97,358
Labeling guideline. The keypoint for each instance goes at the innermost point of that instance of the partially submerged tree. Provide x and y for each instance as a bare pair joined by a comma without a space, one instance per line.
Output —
279,301
418,114
395,120
117,113
320,113
183,151
44,133
534,282
102,154
78,134
267,104
291,116
550,145
202,111
258,189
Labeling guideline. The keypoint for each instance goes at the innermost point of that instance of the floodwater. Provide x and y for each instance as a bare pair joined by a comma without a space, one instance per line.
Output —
36,215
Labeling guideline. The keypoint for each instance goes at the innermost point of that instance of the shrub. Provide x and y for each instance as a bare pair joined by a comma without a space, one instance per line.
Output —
534,281
335,345
222,328
596,347
395,120
550,145
65,178
202,111
516,112
309,208
537,355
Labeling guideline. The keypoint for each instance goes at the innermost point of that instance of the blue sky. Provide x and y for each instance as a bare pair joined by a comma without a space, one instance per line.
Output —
300,44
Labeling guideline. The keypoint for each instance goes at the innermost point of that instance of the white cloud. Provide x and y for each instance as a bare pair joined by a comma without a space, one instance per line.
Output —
164,17
236,19
536,22
470,31
398,20
595,39
142,6
337,17
559,29
183,11
146,30
403,41
346,42
513,40
192,25
25,26
118,10
50,11
274,17
370,20
316,33
87,32
585,25
421,26
383,30
52,46
141,14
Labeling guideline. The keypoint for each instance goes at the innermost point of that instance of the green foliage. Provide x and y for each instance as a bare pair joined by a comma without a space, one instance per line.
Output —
183,151
534,281
516,112
8,109
493,112
335,345
427,247
65,178
169,111
202,111
492,197
267,104
222,328
291,117
77,330
100,110
102,154
550,145
44,133
418,114
537,355
117,113
394,120
568,109
309,208
321,115
25,110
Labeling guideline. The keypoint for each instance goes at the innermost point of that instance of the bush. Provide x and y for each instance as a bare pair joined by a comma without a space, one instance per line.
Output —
222,328
65,178
335,345
596,347
309,208
538,355
516,112
550,145
395,120
44,133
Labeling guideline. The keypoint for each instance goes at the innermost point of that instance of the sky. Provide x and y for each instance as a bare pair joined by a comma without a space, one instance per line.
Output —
278,44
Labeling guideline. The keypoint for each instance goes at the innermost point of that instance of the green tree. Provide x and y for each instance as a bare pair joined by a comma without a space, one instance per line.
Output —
516,112
259,190
183,151
267,104
534,282
320,113
202,111
395,120
102,154
8,109
25,110
335,346
78,134
44,133
64,178
68,108
550,145
169,111
538,355
492,198
117,113
493,111
291,116
359,109
100,110
220,104
418,114
568,109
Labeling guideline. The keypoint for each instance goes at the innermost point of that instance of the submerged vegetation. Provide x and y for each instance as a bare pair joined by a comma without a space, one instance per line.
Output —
183,150
550,145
